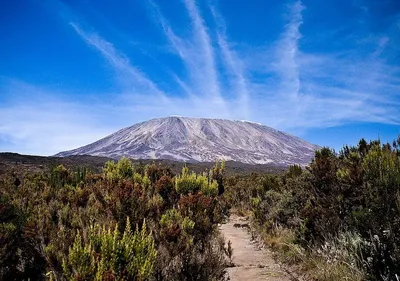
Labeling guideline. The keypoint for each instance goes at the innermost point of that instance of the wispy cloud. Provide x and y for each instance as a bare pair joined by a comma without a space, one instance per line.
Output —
287,51
144,95
202,39
282,86
326,89
233,64
134,77
301,89
197,54
181,48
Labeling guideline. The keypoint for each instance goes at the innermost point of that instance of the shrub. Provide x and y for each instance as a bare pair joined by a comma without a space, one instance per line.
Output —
107,253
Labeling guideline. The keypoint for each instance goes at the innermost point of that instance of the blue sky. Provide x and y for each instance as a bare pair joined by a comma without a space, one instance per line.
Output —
72,72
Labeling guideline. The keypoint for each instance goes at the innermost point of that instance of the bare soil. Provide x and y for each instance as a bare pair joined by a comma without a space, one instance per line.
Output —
251,262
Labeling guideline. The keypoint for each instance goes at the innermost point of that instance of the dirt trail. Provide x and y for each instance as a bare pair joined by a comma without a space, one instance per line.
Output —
250,262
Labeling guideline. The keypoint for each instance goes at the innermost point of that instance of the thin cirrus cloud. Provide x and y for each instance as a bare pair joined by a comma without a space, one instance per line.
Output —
198,56
281,84
306,90
120,62
233,64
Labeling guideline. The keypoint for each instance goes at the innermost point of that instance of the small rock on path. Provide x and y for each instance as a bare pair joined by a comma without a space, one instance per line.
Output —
250,263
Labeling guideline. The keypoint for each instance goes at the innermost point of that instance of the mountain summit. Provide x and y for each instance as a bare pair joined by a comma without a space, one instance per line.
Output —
203,140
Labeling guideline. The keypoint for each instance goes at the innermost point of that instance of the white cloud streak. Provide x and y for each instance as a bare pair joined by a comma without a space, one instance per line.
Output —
287,51
135,78
234,64
197,54
329,89
207,64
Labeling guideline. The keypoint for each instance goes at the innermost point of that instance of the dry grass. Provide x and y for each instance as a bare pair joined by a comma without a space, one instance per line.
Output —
317,268
282,241
314,264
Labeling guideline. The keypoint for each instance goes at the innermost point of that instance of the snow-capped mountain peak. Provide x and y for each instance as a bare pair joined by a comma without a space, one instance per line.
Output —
201,139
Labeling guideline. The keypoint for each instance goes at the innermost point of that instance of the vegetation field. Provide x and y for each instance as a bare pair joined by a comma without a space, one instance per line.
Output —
89,218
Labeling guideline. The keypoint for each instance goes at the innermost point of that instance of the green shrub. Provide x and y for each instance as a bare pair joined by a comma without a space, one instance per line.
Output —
190,183
105,252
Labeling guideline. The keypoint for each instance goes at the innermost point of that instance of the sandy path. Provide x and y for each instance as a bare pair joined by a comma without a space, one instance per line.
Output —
250,262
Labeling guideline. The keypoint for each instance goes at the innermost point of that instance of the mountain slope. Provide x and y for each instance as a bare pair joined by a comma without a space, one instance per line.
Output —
204,140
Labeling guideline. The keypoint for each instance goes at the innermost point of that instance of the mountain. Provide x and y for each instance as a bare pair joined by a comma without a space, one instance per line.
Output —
202,140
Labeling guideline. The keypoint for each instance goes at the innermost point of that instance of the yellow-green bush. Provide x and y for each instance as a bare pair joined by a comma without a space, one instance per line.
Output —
105,252
123,169
189,183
